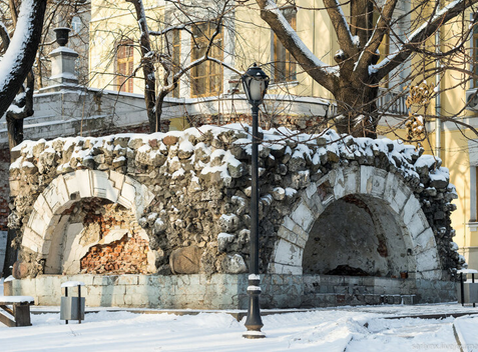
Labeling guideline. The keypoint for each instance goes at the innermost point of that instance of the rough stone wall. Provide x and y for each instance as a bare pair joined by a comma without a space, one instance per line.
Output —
293,122
4,194
200,179
4,187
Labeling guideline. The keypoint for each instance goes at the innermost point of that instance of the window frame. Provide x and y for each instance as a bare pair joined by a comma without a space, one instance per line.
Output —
125,56
212,70
288,73
176,59
474,48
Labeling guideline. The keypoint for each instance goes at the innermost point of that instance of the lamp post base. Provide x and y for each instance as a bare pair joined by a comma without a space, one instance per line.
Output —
254,335
253,320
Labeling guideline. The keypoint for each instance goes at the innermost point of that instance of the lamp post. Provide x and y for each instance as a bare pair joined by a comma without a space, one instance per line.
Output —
255,83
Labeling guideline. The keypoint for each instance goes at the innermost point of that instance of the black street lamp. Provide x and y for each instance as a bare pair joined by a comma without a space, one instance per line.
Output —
255,83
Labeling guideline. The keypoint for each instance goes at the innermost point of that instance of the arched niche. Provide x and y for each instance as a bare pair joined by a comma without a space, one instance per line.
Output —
53,235
401,238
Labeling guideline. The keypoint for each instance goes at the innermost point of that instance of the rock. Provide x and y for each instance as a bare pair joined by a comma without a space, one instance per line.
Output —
185,154
332,157
234,264
143,222
153,143
208,262
438,183
229,222
150,157
100,158
157,256
20,270
238,152
278,193
152,218
223,240
135,143
116,162
29,168
47,157
321,141
170,140
185,260
235,170
296,163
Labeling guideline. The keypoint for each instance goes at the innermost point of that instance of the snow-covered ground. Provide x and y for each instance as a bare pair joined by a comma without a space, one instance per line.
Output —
350,329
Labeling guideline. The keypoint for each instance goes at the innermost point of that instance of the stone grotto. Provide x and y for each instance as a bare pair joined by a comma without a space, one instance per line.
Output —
162,220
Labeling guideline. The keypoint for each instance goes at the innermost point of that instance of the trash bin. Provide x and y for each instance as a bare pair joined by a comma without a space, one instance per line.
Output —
467,292
72,308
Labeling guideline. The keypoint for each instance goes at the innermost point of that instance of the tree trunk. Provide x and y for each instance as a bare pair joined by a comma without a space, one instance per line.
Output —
10,253
148,66
15,137
15,132
357,110
20,55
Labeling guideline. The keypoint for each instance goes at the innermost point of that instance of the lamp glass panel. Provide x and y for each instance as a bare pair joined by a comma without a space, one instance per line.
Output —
257,88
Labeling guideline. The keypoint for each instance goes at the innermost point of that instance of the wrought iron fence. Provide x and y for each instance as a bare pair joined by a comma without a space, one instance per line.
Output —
391,102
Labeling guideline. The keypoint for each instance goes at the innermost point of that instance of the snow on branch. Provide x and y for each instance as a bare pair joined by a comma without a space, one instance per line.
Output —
342,28
418,36
321,72
20,55
179,27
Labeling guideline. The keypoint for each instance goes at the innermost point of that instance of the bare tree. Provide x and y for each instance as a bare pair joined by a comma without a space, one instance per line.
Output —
162,63
161,66
16,101
19,57
355,79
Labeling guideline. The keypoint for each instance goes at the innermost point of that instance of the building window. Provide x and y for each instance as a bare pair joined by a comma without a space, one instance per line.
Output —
474,195
124,66
76,24
475,56
176,58
206,78
285,67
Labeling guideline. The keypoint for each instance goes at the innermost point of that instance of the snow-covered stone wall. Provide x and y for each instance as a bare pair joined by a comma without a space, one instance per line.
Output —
190,193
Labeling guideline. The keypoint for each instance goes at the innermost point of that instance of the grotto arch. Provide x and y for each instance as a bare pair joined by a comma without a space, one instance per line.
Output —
374,190
49,219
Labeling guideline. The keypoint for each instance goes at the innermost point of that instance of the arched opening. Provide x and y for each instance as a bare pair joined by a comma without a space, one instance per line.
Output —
357,235
97,236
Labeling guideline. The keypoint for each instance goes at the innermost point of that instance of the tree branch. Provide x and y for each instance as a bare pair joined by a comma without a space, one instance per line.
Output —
421,34
341,27
20,55
322,73
381,28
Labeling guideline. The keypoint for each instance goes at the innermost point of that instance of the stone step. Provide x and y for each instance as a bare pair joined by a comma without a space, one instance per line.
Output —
33,120
337,299
358,285
50,129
